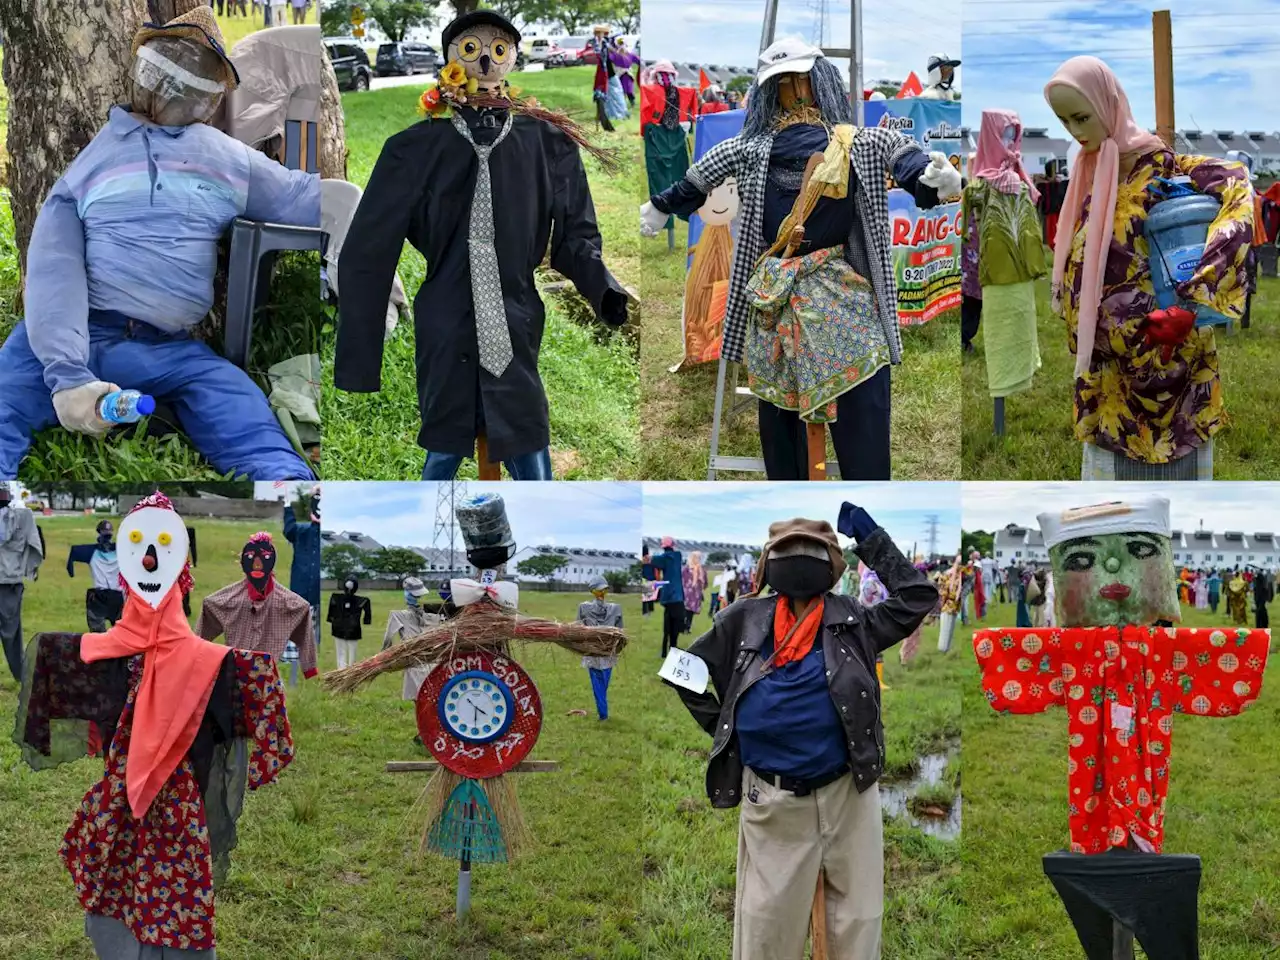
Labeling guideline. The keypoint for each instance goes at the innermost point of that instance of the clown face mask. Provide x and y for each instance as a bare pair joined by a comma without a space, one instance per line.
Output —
487,54
258,560
1114,579
152,552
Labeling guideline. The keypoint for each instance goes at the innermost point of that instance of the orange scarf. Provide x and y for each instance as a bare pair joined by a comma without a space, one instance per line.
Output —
792,641
178,673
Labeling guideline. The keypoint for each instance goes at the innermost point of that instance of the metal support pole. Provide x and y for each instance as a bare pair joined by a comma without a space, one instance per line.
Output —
719,412
770,23
999,413
855,61
464,868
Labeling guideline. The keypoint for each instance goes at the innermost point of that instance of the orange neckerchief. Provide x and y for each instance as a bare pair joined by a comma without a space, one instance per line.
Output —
178,673
792,641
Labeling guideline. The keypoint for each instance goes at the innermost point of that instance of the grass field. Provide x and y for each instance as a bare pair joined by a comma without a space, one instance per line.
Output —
690,848
590,374
1222,805
679,407
1039,441
326,868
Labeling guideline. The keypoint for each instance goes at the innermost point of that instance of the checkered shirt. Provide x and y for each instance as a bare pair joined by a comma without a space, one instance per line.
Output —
266,627
874,154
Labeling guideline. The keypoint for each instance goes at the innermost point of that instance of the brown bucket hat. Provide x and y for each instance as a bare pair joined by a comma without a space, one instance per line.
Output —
799,531
200,25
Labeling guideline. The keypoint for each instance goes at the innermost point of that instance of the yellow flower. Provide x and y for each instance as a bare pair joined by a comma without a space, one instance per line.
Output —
453,75
472,84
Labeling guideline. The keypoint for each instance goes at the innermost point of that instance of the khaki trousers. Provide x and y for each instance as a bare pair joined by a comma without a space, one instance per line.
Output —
783,841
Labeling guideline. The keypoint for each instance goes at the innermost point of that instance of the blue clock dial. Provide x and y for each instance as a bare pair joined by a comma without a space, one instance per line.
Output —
476,706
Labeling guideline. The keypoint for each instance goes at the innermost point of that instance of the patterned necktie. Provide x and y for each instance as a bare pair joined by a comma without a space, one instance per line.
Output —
492,332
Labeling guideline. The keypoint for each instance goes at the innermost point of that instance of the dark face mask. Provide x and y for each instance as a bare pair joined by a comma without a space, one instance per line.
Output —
257,560
799,578
104,537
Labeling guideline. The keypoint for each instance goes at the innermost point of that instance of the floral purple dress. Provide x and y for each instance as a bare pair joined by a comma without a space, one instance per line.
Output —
695,585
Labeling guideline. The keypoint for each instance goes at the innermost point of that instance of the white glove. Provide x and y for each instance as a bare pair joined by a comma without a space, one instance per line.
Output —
77,408
941,175
652,220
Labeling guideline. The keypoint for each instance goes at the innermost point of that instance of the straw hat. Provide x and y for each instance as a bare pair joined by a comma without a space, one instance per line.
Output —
200,25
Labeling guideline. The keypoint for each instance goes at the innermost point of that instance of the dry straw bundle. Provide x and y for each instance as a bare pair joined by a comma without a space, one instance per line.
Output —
478,628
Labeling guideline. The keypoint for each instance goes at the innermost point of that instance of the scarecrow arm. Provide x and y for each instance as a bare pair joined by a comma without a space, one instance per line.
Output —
280,195
1223,672
81,553
911,596
57,292
714,648
304,638
209,626
1022,668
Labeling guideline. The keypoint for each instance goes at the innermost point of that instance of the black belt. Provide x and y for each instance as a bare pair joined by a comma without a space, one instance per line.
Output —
801,788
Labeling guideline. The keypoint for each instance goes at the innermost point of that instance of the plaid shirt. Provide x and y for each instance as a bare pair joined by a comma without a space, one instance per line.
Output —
266,627
875,153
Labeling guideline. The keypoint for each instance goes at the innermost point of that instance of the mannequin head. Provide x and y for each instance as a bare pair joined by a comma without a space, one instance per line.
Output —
350,586
258,560
1079,117
153,550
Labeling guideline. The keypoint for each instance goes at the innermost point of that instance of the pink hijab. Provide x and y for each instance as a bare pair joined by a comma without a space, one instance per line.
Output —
1098,174
999,165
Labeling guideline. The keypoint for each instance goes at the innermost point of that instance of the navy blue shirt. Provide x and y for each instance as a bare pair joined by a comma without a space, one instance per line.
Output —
787,722
669,565
831,221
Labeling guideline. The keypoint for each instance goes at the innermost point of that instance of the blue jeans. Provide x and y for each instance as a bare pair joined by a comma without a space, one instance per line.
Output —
600,688
528,466
218,406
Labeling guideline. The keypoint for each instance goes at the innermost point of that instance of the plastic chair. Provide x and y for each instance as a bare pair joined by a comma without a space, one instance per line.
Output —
338,202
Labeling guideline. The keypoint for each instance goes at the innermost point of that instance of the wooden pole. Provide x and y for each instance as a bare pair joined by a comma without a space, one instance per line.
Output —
1162,40
818,922
488,469
816,434
427,766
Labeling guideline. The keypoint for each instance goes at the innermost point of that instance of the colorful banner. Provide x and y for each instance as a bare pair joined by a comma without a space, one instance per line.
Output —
926,243
712,233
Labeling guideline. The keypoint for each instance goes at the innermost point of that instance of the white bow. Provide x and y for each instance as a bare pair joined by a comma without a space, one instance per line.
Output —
464,592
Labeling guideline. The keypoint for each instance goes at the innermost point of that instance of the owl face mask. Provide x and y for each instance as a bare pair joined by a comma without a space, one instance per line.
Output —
487,54
152,552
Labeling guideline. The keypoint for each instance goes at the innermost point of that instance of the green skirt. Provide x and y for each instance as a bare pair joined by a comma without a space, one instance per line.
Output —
1009,337
666,157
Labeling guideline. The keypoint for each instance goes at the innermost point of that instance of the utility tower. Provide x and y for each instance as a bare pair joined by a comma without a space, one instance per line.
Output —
445,534
931,534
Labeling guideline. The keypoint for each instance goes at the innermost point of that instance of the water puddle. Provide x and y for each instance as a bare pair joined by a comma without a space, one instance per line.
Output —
903,797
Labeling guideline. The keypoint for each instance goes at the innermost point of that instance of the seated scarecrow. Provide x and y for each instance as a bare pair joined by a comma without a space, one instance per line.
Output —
122,260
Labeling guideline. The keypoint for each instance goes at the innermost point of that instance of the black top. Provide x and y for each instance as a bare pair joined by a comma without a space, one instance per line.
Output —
421,190
345,611
831,221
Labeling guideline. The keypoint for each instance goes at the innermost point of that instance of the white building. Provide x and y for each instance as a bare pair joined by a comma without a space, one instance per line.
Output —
583,564
1017,544
1231,548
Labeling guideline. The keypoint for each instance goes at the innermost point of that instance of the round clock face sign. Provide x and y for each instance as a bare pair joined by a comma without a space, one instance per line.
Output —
479,714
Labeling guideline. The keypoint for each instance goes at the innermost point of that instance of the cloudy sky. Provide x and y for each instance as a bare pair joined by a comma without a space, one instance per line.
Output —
1251,507
605,516
742,512
898,35
1224,55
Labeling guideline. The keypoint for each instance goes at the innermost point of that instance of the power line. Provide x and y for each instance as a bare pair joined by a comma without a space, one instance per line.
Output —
1057,57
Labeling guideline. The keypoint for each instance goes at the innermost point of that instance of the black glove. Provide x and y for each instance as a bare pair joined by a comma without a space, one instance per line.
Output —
855,522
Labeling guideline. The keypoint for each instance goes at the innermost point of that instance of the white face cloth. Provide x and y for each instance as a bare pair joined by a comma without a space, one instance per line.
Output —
152,549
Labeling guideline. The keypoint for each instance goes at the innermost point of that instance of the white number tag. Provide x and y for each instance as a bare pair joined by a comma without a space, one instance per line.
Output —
685,670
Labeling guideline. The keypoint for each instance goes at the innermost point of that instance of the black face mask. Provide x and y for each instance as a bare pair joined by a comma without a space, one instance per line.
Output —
800,578
257,560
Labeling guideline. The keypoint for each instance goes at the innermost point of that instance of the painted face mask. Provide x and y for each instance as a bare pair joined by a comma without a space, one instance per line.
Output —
487,54
258,560
1114,579
152,552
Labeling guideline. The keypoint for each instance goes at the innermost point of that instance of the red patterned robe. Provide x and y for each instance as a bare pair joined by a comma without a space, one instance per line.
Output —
1121,691
155,875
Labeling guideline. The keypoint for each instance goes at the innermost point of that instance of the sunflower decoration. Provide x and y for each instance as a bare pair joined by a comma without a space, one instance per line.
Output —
452,88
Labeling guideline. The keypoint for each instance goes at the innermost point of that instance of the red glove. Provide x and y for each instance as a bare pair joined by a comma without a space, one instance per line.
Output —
1168,328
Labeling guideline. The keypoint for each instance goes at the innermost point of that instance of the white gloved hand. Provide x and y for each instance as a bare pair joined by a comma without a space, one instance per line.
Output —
941,175
652,220
77,408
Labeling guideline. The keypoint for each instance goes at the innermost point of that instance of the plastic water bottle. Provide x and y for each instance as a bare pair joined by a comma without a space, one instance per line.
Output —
1177,229
125,406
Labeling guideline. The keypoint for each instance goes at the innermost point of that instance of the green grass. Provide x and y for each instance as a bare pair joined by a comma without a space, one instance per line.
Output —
1039,441
590,374
1222,805
326,868
690,848
679,407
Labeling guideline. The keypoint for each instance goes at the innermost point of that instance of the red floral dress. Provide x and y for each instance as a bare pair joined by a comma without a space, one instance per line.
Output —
1121,693
155,874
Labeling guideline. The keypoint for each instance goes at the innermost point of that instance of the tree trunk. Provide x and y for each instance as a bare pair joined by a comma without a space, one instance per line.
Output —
333,132
66,62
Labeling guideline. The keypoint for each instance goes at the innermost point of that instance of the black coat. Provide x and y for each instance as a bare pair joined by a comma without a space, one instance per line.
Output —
421,190
346,610
852,637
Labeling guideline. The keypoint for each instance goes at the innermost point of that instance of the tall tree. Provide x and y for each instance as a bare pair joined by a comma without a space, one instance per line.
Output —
398,561
574,16
341,560
627,14
545,565
396,18
65,65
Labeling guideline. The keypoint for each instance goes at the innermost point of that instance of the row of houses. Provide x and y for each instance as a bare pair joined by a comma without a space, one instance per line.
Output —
583,563
707,549
1196,549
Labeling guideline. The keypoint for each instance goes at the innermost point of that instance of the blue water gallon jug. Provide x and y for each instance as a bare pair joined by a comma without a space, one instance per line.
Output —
1177,229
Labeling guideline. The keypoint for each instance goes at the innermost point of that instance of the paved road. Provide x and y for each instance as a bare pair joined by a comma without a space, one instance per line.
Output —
423,79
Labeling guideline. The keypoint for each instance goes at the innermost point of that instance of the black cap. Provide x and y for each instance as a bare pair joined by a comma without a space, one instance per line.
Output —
475,19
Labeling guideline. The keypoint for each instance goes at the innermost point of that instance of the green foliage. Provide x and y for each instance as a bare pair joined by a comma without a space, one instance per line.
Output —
541,565
739,84
395,561
341,560
619,579
717,557
395,18
335,18
978,540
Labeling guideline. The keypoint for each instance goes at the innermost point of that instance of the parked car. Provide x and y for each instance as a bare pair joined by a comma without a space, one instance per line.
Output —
350,62
540,49
405,58
567,51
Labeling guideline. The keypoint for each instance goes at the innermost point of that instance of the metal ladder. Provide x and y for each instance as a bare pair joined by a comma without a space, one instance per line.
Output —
741,395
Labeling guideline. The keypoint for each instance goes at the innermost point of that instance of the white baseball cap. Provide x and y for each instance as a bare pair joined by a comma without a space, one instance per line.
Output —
788,55
1142,516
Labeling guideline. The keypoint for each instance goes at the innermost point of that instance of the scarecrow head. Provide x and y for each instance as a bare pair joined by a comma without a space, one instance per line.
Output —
942,70
486,531
599,587
181,71
1112,564
106,532
414,591
484,45
802,559
152,550
350,585
258,560
794,79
